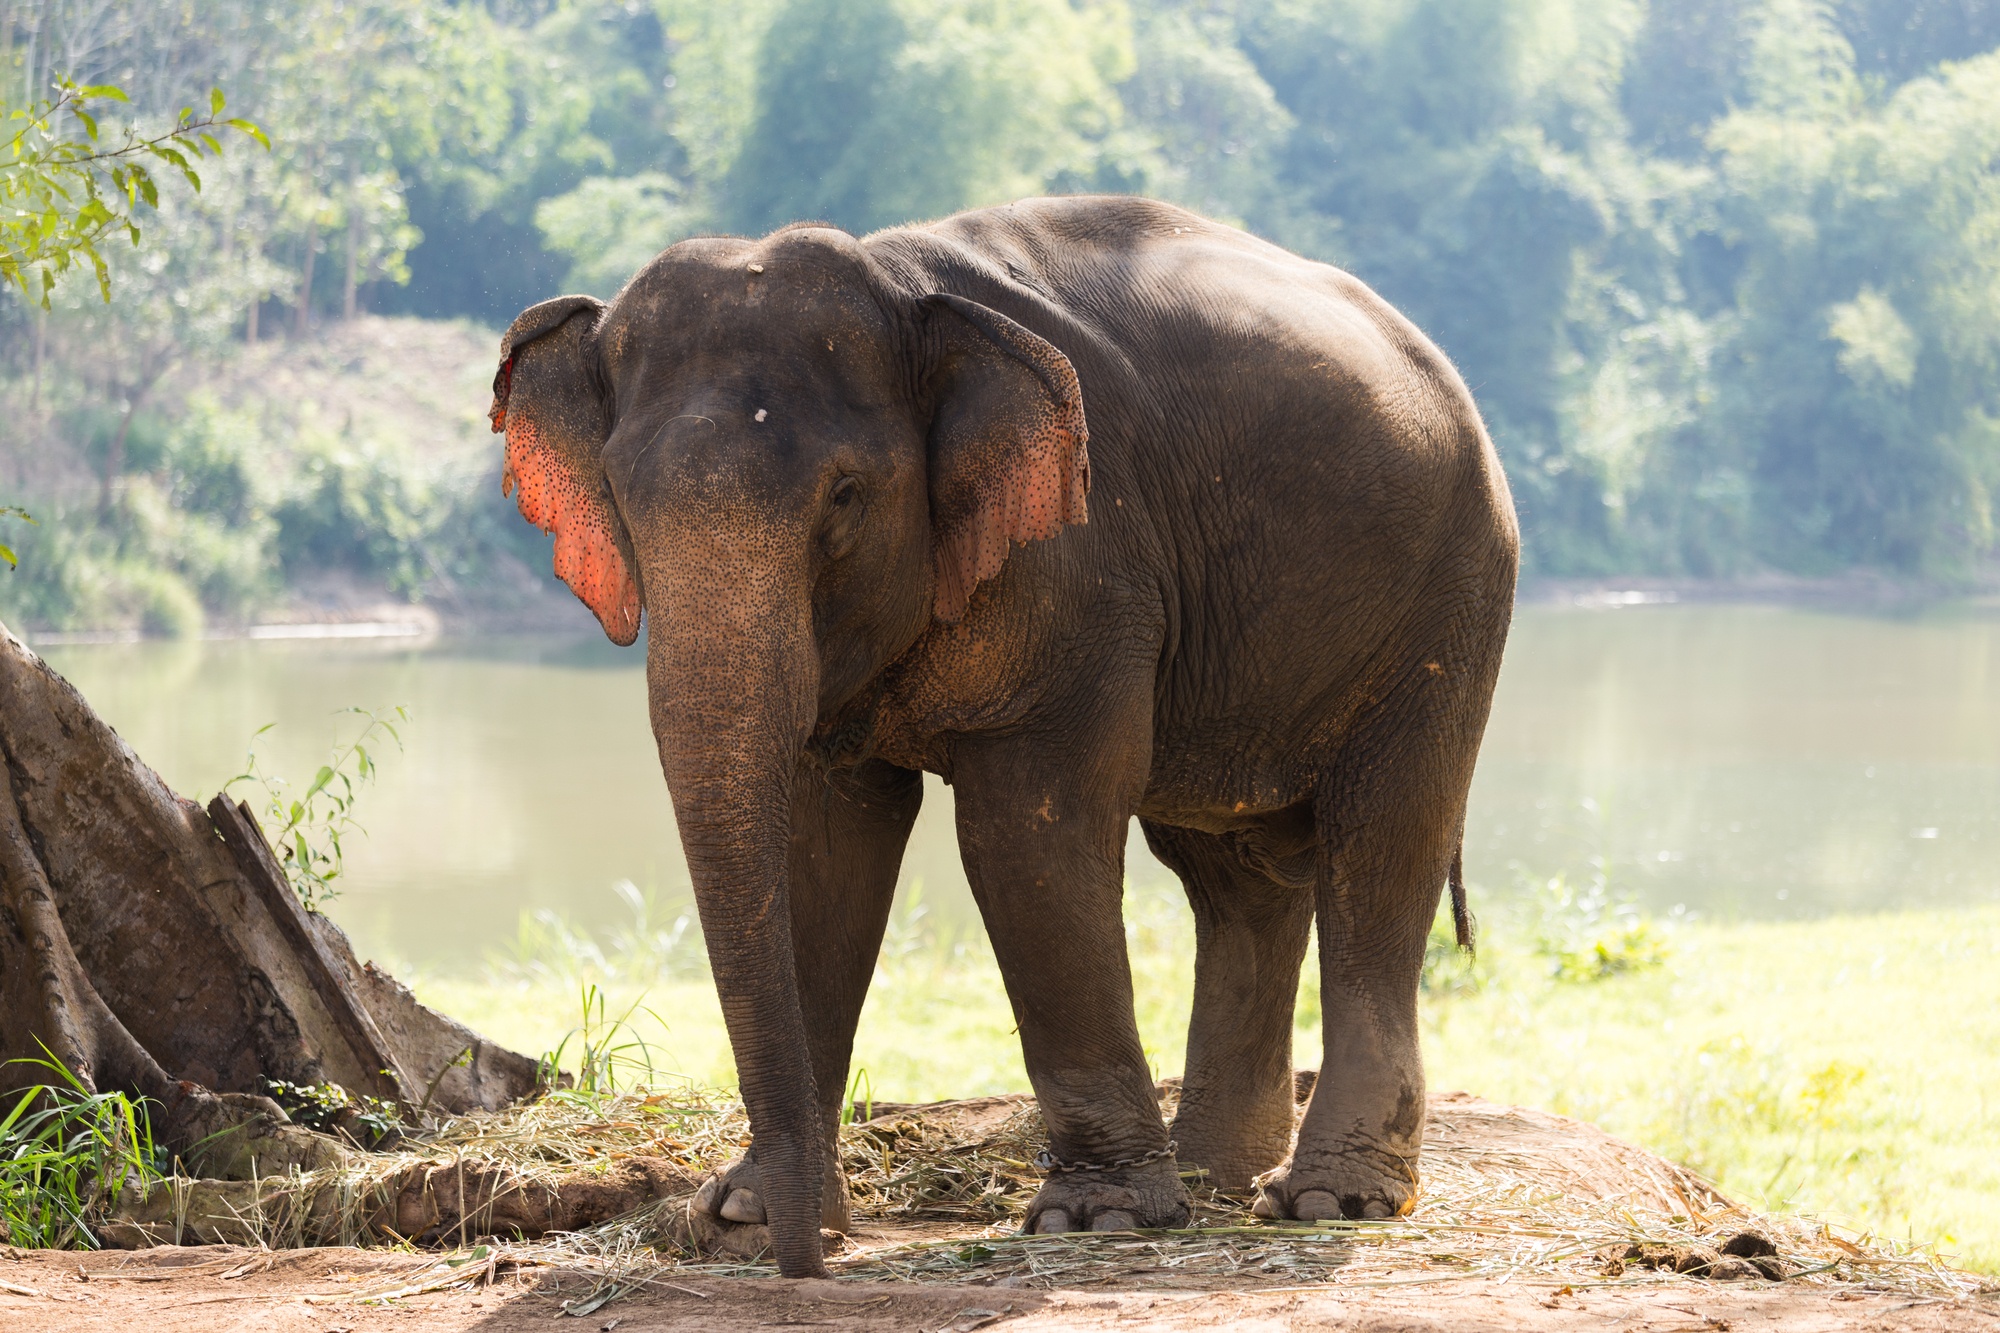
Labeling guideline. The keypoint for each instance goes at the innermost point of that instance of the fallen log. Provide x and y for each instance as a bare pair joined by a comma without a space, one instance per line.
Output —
153,947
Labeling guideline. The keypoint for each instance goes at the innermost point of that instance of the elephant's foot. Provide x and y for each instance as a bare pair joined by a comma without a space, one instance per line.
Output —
1126,1200
1232,1137
1352,1181
735,1197
1230,1163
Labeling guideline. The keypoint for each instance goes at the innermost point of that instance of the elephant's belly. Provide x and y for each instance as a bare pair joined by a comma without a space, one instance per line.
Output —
1281,844
1249,763
1220,790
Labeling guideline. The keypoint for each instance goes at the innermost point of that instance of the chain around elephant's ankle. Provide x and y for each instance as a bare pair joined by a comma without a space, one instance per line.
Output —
1049,1163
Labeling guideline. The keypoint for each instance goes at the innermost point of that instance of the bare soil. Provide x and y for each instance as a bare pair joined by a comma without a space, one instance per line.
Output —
209,1288
1507,1236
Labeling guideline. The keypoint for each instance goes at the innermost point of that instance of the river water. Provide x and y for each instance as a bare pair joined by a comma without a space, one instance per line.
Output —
1734,761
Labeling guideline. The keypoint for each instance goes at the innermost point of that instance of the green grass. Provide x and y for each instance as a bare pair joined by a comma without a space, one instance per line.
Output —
65,1155
1839,1067
1842,1067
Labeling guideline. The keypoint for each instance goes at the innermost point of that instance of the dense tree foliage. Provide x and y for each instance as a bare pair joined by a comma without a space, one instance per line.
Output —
1723,274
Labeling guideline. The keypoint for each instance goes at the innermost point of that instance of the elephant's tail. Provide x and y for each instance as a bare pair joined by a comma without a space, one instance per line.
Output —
1461,915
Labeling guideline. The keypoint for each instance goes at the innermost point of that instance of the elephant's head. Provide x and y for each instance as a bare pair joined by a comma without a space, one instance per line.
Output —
791,465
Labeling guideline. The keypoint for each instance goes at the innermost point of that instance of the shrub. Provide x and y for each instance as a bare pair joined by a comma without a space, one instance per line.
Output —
1584,935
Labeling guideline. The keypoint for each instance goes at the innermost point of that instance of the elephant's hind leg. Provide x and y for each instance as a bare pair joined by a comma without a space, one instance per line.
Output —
1236,1111
1390,811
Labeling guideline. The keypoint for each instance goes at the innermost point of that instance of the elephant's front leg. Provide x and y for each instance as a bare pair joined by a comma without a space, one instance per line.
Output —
1042,828
849,828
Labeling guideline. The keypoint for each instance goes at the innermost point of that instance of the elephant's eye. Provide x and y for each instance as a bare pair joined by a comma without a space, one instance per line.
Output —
843,517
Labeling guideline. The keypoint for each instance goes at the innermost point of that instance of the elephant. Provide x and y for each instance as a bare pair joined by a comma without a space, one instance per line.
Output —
1098,509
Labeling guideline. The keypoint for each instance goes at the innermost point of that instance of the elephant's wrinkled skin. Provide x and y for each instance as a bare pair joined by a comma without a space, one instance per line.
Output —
846,481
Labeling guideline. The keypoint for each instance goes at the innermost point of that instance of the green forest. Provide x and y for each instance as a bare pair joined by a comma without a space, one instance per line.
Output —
1724,275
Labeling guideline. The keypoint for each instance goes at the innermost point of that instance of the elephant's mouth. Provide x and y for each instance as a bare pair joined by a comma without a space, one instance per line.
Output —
846,737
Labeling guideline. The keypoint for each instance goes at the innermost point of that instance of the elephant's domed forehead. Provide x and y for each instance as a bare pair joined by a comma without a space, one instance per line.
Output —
793,290
793,321
755,369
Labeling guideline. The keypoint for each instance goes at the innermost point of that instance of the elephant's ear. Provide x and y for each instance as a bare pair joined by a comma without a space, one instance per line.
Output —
1008,445
546,399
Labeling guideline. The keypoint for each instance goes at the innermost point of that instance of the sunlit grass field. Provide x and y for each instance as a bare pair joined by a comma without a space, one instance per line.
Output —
1839,1067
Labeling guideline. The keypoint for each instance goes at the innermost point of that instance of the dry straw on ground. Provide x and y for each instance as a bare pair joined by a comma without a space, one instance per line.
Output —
938,1191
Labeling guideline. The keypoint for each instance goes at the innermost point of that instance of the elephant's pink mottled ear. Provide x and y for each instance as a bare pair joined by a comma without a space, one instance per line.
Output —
545,399
1008,448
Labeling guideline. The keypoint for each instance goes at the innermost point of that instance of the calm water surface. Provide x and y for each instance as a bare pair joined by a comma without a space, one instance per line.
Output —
1740,761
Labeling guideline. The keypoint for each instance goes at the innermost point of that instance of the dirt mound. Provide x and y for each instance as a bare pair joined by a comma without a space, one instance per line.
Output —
1527,1220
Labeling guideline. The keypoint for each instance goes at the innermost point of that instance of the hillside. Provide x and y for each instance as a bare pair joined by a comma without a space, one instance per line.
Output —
347,475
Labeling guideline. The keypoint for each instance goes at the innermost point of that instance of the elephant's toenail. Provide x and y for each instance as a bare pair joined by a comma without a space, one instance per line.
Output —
709,1197
1315,1206
1375,1208
1053,1221
743,1206
1263,1207
1115,1220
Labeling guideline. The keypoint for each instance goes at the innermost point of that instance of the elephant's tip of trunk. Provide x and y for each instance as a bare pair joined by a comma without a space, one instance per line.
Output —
805,1266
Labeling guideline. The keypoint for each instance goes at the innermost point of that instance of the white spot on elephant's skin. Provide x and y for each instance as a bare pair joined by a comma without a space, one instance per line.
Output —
762,413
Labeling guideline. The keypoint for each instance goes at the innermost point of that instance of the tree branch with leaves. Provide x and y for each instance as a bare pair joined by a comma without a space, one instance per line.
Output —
65,188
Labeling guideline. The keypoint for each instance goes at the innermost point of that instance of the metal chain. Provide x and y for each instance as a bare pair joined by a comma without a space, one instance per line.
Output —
1047,1161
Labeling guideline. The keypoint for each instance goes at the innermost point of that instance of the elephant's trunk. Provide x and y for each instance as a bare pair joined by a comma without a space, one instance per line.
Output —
733,680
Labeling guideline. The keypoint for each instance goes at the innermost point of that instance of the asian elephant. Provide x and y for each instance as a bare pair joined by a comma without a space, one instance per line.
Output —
1098,509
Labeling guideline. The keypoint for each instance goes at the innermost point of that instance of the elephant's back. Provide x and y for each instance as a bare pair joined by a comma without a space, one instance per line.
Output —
1207,353
1305,470
1187,329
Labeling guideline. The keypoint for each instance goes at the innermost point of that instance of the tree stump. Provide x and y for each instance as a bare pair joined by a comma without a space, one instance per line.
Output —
154,947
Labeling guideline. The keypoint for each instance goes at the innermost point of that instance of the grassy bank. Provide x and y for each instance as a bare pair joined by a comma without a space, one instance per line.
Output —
1840,1067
